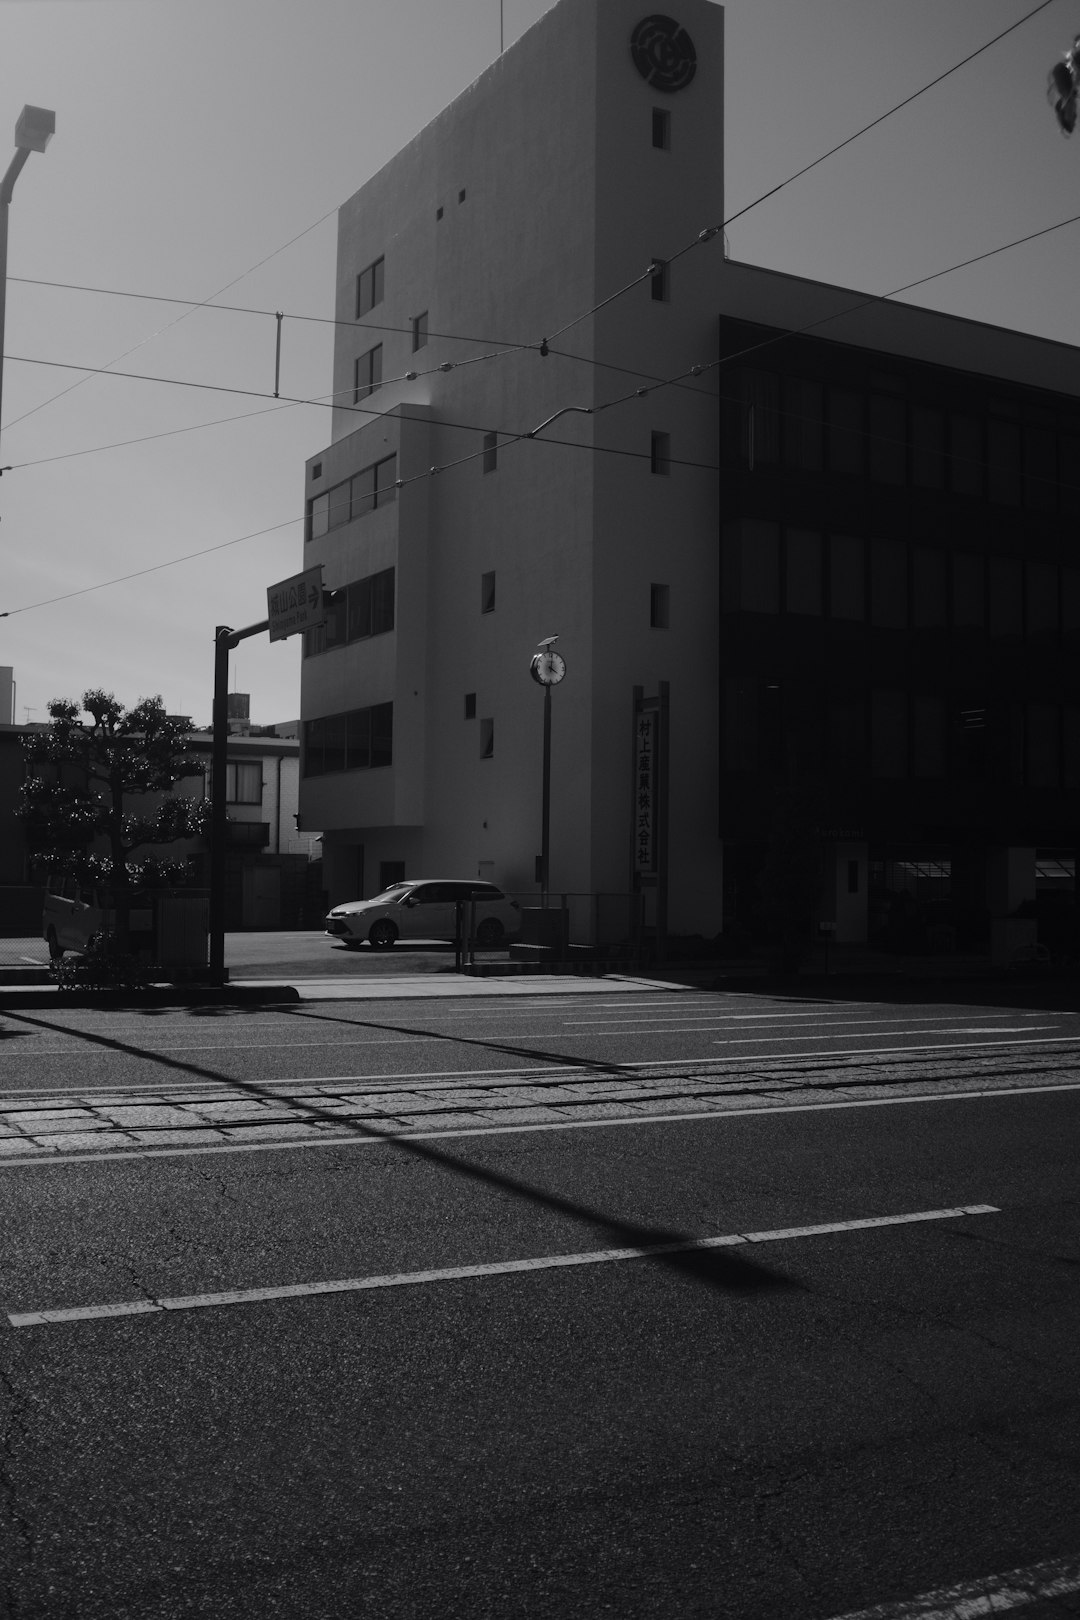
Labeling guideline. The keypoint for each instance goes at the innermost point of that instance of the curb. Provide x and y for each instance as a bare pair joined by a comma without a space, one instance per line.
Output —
51,997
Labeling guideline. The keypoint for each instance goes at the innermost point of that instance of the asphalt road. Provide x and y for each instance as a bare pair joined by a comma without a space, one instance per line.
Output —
342,1309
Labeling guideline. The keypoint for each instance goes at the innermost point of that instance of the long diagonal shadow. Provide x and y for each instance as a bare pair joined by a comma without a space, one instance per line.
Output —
719,1268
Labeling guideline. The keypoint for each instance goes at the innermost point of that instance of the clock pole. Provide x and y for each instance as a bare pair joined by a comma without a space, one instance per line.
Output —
545,814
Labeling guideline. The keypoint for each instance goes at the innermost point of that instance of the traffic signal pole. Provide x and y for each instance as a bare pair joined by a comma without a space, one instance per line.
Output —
225,640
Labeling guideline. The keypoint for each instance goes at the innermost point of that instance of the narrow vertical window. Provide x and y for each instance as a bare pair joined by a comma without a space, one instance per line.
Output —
419,331
487,592
491,452
660,454
661,129
369,287
659,607
470,705
487,739
658,285
367,373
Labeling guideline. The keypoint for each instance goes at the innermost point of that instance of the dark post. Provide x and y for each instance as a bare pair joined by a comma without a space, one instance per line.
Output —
545,813
224,641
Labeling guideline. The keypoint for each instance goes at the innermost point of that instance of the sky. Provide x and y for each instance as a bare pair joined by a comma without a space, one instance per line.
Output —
202,148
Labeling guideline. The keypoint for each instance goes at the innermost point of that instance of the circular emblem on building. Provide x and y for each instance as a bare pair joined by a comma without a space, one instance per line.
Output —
663,53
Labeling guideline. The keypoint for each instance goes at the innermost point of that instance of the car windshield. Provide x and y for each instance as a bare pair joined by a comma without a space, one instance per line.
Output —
394,892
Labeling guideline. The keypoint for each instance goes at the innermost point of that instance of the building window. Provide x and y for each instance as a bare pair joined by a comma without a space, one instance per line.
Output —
660,607
969,591
361,739
803,424
369,287
438,214
491,452
927,448
965,455
470,705
847,577
487,739
353,497
930,594
802,573
845,432
243,782
487,592
367,373
1042,599
316,471
361,609
751,567
889,733
888,447
761,418
1003,462
659,288
461,195
419,331
889,584
1006,597
661,129
660,454
928,739
371,605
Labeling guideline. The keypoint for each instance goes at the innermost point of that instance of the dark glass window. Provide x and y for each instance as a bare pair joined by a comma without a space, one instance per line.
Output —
661,129
969,591
368,373
660,453
1040,468
761,418
802,575
888,584
751,565
318,516
659,607
847,577
369,287
357,740
1006,597
740,732
928,741
243,782
371,605
419,330
1003,462
1042,599
930,588
487,592
470,705
1043,745
927,448
965,455
889,733
336,619
487,738
845,432
803,424
659,283
888,447
491,452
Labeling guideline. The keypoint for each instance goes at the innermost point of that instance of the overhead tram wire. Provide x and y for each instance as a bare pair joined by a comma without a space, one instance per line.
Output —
712,231
169,324
511,436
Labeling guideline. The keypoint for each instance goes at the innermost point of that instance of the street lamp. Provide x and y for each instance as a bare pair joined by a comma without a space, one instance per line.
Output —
33,132
547,670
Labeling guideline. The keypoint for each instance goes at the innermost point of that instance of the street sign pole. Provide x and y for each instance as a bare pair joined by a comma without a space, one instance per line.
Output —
224,642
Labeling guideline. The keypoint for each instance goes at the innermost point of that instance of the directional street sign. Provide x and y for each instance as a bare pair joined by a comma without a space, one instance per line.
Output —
295,604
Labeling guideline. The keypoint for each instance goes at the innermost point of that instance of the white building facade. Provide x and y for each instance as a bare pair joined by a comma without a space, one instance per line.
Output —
556,178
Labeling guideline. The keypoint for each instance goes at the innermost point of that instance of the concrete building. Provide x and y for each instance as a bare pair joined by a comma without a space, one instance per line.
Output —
762,576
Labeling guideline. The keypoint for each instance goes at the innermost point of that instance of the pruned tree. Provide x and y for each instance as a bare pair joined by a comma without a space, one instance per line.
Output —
81,781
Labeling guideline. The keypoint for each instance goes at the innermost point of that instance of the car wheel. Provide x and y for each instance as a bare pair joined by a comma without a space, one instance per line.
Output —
382,935
490,932
56,950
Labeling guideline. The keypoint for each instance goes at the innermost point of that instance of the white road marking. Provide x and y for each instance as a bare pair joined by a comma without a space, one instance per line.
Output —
377,1138
548,1262
910,1049
803,1017
990,1594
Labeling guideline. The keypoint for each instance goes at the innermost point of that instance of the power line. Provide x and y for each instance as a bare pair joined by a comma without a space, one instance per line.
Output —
709,232
169,324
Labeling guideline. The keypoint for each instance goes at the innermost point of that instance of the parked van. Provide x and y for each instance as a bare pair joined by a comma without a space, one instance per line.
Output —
74,913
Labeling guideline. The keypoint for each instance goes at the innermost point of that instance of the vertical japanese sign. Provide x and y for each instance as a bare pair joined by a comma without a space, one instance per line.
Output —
646,731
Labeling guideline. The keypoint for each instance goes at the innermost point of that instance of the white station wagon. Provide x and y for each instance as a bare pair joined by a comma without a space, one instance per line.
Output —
425,908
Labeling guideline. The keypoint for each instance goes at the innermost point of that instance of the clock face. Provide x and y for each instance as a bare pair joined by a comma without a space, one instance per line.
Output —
548,668
663,53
